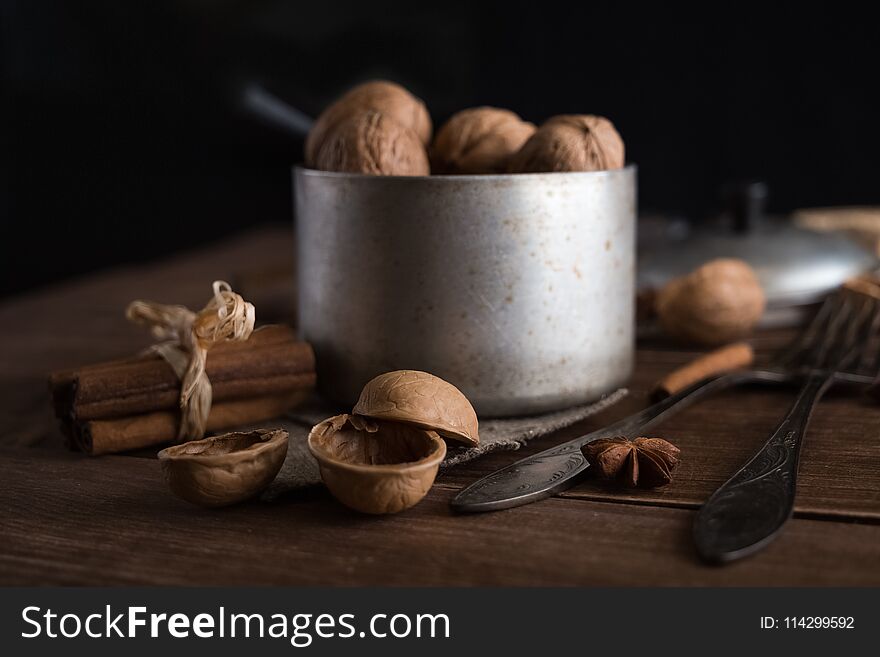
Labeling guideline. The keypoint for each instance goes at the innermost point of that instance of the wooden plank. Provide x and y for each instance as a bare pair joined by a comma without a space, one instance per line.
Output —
73,520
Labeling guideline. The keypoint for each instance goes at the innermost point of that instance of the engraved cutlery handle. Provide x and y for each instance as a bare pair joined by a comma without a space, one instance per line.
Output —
749,509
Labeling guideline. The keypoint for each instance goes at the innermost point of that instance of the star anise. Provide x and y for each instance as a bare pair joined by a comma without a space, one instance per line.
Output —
643,462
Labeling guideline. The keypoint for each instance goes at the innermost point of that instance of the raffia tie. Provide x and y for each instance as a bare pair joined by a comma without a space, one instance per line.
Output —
187,338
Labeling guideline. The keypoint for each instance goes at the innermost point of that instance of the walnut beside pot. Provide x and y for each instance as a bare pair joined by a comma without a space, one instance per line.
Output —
720,301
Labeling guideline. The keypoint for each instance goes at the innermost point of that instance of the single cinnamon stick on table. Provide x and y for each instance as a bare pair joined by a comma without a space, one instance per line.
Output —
726,359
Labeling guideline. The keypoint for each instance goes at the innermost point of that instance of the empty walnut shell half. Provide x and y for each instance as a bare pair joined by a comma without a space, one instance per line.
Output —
719,302
225,469
373,466
421,400
382,96
571,142
478,140
372,143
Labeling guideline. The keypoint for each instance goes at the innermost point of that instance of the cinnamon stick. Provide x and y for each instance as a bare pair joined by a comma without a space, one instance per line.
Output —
124,434
728,358
265,335
271,361
145,401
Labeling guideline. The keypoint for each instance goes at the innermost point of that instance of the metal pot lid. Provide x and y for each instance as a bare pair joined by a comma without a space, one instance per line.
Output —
796,266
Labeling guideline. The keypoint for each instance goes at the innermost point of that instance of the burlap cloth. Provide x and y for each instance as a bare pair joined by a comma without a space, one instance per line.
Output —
301,470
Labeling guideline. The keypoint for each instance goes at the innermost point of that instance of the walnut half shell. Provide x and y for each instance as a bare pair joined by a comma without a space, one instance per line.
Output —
421,400
225,469
376,467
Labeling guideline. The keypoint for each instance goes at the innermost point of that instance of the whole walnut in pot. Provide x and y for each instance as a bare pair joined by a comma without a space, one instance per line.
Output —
370,142
381,96
716,303
571,142
479,140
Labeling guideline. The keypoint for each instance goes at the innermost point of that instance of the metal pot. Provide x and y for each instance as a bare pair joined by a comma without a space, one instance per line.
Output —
518,289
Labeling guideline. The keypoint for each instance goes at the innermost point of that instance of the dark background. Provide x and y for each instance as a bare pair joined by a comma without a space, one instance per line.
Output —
124,135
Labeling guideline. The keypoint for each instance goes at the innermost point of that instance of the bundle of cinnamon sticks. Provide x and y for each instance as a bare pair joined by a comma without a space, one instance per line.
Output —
133,403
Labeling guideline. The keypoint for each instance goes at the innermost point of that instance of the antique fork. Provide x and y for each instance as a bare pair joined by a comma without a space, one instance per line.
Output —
549,472
750,509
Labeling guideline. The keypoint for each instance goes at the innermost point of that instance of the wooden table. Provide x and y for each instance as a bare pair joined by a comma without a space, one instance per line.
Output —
70,519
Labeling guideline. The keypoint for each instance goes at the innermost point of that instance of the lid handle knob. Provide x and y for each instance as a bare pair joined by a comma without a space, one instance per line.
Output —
746,202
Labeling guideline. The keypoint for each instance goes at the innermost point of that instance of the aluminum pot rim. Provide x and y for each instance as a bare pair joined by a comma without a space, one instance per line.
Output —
302,170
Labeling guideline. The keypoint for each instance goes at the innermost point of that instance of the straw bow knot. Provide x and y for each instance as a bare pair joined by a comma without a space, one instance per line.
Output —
187,337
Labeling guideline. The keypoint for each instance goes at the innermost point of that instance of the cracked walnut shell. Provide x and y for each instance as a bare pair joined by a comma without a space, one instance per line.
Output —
719,302
381,96
571,142
372,143
478,140
374,466
225,469
643,462
422,400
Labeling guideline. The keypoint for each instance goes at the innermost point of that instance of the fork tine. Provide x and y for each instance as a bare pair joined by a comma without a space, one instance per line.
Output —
868,285
847,319
858,338
808,336
822,334
868,358
838,335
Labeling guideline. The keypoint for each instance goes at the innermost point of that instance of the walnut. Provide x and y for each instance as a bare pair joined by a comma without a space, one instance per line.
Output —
717,303
376,467
479,140
372,143
422,400
572,142
381,96
384,457
225,469
643,462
